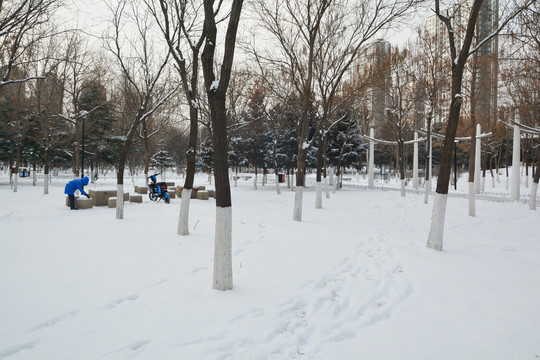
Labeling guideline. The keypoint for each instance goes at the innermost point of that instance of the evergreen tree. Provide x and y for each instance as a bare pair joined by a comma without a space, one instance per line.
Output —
162,159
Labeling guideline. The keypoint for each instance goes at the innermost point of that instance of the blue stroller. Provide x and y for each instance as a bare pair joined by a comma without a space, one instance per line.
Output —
158,190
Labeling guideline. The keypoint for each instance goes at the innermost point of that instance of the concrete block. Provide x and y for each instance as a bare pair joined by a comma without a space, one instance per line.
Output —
202,187
111,202
194,193
126,197
203,195
81,202
135,198
169,184
84,203
172,193
141,189
212,193
100,197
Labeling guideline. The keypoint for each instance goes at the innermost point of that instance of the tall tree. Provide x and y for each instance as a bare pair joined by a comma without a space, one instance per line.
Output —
181,25
321,33
23,24
216,90
460,51
143,73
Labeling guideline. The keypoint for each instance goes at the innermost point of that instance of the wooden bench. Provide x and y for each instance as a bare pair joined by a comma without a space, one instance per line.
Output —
135,198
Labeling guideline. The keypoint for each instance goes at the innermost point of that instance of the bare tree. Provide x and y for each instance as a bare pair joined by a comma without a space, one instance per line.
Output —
23,24
431,76
460,51
143,73
181,23
299,31
216,90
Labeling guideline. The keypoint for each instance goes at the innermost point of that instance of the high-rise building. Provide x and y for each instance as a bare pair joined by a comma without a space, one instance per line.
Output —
483,65
373,65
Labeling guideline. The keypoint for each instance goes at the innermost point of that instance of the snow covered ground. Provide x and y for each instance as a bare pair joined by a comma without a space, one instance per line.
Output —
353,280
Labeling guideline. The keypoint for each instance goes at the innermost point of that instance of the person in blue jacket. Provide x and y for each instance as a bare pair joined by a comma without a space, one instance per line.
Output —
74,185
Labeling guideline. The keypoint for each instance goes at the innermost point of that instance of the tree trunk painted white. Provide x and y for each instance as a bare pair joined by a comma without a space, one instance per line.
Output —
223,276
472,200
46,184
532,200
435,238
34,178
427,190
331,171
15,182
210,178
278,190
477,159
318,196
493,181
415,162
514,192
526,181
371,163
183,218
297,214
326,188
264,180
483,186
402,187
255,182
120,201
430,164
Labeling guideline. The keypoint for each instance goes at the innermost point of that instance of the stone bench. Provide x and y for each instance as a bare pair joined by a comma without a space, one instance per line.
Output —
172,193
135,198
100,197
169,184
81,203
212,193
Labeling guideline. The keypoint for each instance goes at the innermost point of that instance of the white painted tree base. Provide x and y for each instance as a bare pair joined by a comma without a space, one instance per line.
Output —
435,237
223,277
532,200
318,196
402,188
46,184
472,200
120,201
183,218
427,188
278,190
297,214
326,188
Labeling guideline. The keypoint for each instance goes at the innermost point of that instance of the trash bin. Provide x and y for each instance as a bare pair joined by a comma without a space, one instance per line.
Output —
281,178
